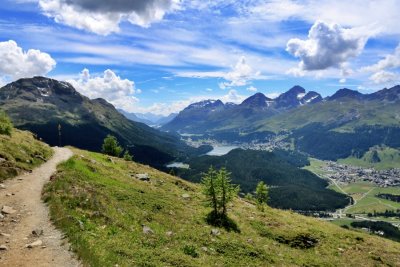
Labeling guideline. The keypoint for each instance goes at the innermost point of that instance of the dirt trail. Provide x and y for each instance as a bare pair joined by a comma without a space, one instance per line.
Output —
23,194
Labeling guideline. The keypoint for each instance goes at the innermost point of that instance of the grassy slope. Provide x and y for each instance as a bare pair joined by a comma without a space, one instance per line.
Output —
101,209
390,158
22,152
355,114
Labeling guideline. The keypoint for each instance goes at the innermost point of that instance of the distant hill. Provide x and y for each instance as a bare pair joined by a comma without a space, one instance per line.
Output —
150,119
40,104
344,124
112,218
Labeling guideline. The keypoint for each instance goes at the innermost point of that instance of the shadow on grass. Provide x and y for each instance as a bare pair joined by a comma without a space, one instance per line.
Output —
222,221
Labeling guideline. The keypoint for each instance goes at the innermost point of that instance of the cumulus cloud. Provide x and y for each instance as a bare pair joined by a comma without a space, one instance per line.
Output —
251,89
241,73
380,69
104,16
382,77
16,63
328,45
117,91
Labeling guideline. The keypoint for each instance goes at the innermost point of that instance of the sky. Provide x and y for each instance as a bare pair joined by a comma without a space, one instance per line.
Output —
160,56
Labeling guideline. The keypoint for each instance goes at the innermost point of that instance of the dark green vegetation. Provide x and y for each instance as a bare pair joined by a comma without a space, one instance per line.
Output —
41,104
389,231
386,214
391,197
345,124
219,191
111,147
102,209
290,187
19,150
261,195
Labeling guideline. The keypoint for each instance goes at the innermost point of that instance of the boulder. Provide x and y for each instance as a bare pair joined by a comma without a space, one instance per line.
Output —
215,232
147,230
143,177
3,247
186,196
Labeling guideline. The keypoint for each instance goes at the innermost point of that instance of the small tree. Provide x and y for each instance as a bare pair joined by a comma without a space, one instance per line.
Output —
261,195
5,124
111,146
209,182
127,156
227,190
219,191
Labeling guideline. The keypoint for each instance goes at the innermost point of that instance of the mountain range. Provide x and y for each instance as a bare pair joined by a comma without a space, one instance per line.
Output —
344,124
41,104
151,119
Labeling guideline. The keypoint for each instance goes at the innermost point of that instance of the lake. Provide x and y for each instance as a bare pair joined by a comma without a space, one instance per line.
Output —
221,150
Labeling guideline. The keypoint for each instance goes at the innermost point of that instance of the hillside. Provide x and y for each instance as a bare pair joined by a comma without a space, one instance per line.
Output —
113,218
20,152
292,188
40,104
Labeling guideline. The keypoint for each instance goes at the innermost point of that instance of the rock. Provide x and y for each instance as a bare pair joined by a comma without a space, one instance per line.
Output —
37,232
250,241
81,225
2,186
37,243
5,235
215,232
147,230
110,160
341,249
3,247
169,233
8,210
186,196
205,249
93,161
1,216
143,177
8,195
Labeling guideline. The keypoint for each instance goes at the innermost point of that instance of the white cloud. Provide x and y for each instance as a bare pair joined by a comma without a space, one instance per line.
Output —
328,45
16,63
232,96
251,89
177,106
381,74
378,17
104,16
109,86
382,77
273,95
343,80
239,75
389,62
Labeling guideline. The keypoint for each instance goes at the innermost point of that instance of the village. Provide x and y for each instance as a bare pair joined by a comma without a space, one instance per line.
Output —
347,174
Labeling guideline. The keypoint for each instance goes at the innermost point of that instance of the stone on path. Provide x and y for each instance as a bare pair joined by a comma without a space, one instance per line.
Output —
3,247
37,243
8,210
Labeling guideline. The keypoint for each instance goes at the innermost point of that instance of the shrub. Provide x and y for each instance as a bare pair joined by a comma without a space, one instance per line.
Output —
111,146
191,251
5,124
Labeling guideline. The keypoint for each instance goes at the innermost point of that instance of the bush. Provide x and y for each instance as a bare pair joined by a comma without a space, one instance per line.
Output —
111,146
191,251
5,124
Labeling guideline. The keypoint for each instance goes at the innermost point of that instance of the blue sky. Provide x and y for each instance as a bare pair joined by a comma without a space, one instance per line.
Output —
161,55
